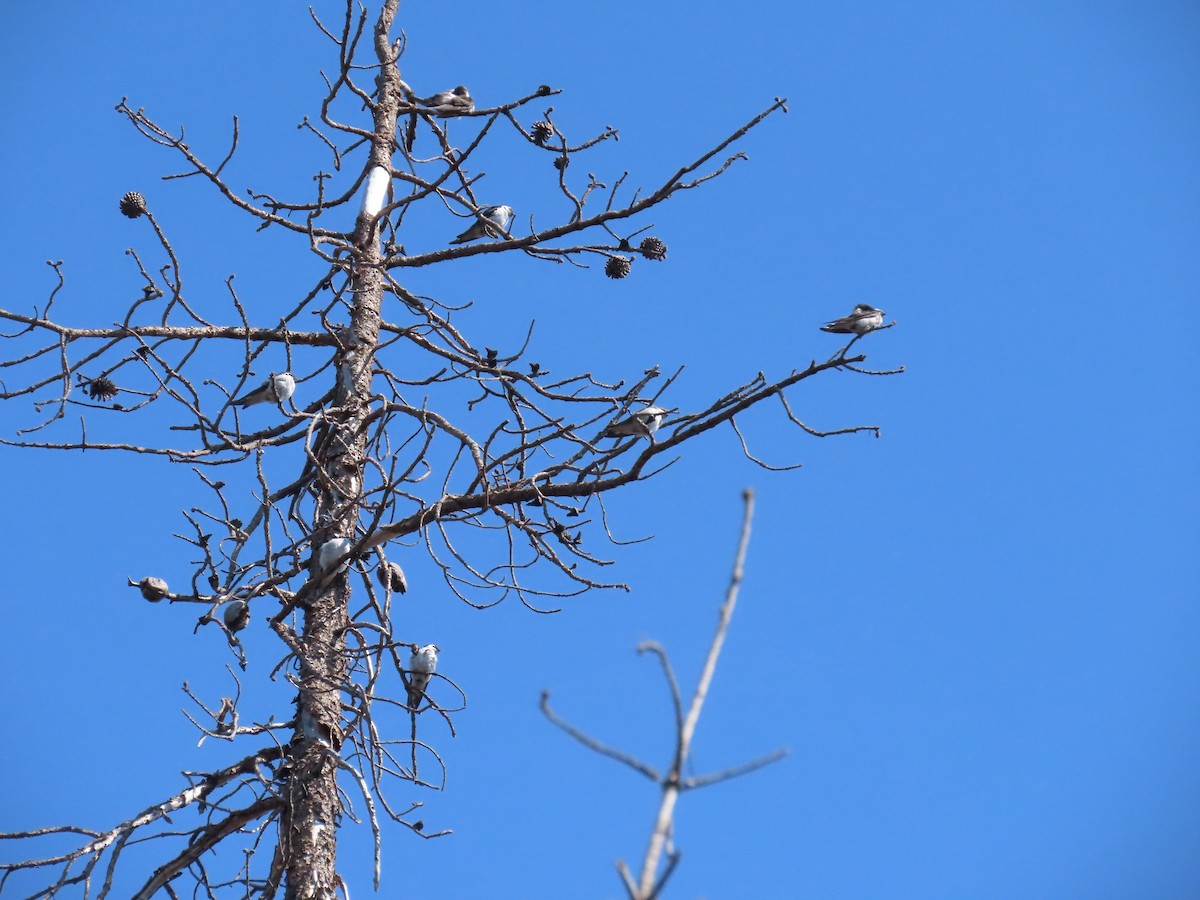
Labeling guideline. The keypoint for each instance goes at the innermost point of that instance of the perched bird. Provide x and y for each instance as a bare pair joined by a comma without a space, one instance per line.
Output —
333,550
864,318
490,216
644,422
153,589
450,103
421,666
236,615
278,388
391,576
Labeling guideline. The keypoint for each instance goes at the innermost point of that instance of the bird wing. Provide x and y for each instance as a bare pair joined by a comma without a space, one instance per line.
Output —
255,396
842,325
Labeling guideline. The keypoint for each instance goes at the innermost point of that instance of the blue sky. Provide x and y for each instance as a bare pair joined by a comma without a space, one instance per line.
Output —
979,635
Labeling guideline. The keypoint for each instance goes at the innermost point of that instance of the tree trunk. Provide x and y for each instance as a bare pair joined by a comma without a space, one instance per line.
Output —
313,810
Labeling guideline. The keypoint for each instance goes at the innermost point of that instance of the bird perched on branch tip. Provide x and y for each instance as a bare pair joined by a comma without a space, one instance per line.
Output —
153,589
864,318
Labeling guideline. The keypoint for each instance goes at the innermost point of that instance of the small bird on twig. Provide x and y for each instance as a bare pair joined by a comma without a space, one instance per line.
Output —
642,423
421,667
485,226
236,615
278,388
457,102
450,103
153,589
864,318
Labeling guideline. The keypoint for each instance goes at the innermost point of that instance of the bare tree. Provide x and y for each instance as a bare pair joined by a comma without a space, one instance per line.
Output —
389,421
673,782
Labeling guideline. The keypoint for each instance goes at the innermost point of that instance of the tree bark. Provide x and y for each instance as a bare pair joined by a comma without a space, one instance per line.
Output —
313,809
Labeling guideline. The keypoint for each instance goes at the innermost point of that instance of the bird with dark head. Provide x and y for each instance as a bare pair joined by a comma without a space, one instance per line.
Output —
642,423
153,589
236,615
864,318
450,103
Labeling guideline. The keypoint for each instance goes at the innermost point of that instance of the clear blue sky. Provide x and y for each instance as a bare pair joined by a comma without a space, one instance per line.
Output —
979,635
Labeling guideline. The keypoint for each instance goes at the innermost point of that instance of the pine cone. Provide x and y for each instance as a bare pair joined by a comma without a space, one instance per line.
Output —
133,205
561,162
101,389
653,248
391,576
541,132
617,267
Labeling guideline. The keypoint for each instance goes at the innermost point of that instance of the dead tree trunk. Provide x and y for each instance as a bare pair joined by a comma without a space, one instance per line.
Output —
313,811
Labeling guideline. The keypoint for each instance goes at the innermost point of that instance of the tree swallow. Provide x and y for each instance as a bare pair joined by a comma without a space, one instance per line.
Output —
153,589
278,388
489,216
450,103
864,318
236,615
421,666
642,423
333,550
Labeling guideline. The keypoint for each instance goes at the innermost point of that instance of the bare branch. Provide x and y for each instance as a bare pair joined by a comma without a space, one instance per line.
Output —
593,744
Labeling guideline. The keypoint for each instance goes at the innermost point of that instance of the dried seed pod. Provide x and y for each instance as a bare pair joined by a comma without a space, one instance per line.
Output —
101,388
617,267
653,248
133,205
391,576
